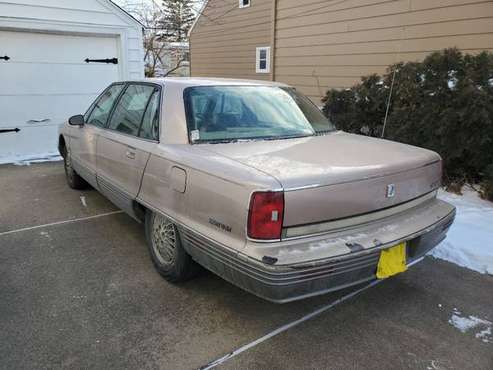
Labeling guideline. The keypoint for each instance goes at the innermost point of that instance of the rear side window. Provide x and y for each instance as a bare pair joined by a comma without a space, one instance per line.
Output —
131,108
150,123
101,109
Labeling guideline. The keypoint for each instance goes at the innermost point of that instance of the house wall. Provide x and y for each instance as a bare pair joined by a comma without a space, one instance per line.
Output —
224,40
321,44
324,44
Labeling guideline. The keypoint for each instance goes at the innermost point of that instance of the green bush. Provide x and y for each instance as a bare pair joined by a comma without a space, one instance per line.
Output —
444,103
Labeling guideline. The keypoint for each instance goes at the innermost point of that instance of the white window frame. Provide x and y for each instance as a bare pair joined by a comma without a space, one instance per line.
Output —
257,60
241,5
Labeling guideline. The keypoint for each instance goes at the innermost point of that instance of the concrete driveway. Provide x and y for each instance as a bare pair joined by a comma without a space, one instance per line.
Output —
81,292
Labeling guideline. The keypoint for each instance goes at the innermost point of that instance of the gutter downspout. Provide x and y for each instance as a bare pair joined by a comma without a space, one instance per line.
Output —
273,41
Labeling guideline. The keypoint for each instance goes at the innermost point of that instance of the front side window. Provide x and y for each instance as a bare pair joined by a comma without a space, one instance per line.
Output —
230,113
130,110
101,109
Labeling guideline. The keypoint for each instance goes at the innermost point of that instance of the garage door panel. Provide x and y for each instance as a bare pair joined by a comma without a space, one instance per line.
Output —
52,48
45,79
42,107
58,15
29,140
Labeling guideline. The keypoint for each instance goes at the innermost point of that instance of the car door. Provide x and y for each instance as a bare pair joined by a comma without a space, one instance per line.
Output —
124,146
83,142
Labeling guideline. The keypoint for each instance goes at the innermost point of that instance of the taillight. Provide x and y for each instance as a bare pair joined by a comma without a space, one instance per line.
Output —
265,215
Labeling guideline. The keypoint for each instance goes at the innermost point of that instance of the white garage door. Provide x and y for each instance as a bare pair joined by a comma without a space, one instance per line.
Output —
44,79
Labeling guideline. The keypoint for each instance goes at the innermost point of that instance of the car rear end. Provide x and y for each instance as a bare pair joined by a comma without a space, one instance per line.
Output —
307,261
348,208
309,237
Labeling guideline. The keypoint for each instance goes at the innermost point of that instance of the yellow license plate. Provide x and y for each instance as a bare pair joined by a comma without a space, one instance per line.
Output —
392,261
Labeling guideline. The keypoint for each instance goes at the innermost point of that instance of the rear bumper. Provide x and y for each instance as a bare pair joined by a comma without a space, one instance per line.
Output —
289,282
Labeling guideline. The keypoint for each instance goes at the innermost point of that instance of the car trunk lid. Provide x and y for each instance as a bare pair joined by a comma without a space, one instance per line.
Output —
339,175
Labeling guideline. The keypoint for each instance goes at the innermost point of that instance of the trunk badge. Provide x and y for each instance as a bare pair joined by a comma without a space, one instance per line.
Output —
390,190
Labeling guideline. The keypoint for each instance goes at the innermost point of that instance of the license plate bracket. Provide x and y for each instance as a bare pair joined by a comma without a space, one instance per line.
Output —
392,261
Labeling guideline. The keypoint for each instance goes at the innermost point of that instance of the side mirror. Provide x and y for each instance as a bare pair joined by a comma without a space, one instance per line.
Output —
77,120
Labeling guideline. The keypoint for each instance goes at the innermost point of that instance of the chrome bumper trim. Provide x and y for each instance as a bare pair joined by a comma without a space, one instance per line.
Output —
287,283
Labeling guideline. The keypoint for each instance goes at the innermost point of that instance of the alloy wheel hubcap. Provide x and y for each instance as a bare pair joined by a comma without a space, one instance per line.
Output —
164,239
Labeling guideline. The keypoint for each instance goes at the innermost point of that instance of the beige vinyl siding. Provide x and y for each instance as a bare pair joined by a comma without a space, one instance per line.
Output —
223,42
323,44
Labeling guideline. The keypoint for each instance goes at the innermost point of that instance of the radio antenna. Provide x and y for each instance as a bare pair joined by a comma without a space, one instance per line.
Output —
388,102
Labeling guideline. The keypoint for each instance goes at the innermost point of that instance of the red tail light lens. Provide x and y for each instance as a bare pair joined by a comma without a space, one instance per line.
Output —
265,215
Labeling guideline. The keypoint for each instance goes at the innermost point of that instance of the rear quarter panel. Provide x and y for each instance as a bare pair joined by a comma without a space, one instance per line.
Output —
218,208
157,191
217,191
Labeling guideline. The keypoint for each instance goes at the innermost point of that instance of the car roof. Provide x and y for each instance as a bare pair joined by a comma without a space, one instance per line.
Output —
208,81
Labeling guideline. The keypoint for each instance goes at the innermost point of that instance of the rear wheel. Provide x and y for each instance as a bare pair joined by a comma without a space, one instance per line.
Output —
73,178
167,253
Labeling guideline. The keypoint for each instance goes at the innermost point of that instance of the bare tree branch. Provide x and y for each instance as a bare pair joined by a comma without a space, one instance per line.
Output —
178,65
163,25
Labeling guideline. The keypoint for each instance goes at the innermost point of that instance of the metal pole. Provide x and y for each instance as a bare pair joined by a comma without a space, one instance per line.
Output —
388,102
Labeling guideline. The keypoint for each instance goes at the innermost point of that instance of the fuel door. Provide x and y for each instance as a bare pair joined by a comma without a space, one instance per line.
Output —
178,179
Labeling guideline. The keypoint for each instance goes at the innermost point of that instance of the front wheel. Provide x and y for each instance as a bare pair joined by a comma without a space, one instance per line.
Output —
73,178
167,253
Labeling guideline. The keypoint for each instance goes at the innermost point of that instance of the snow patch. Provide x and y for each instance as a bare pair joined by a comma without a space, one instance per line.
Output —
485,335
26,160
452,82
465,324
469,242
83,201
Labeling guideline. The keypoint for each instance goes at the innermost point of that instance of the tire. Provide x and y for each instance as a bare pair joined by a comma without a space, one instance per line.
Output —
73,178
166,250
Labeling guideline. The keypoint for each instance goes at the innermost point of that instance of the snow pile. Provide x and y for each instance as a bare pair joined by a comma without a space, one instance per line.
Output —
464,324
469,241
26,160
485,335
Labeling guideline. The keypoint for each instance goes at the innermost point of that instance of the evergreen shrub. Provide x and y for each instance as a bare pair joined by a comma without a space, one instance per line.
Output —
444,103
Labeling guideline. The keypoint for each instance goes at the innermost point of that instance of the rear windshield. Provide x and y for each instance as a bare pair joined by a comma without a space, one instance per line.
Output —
231,113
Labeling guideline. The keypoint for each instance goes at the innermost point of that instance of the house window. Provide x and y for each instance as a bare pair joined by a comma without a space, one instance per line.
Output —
263,60
244,3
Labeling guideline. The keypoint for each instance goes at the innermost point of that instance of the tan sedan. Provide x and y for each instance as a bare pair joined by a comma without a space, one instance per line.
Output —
251,181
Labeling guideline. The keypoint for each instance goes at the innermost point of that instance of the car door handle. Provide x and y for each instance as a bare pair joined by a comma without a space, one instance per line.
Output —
130,154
